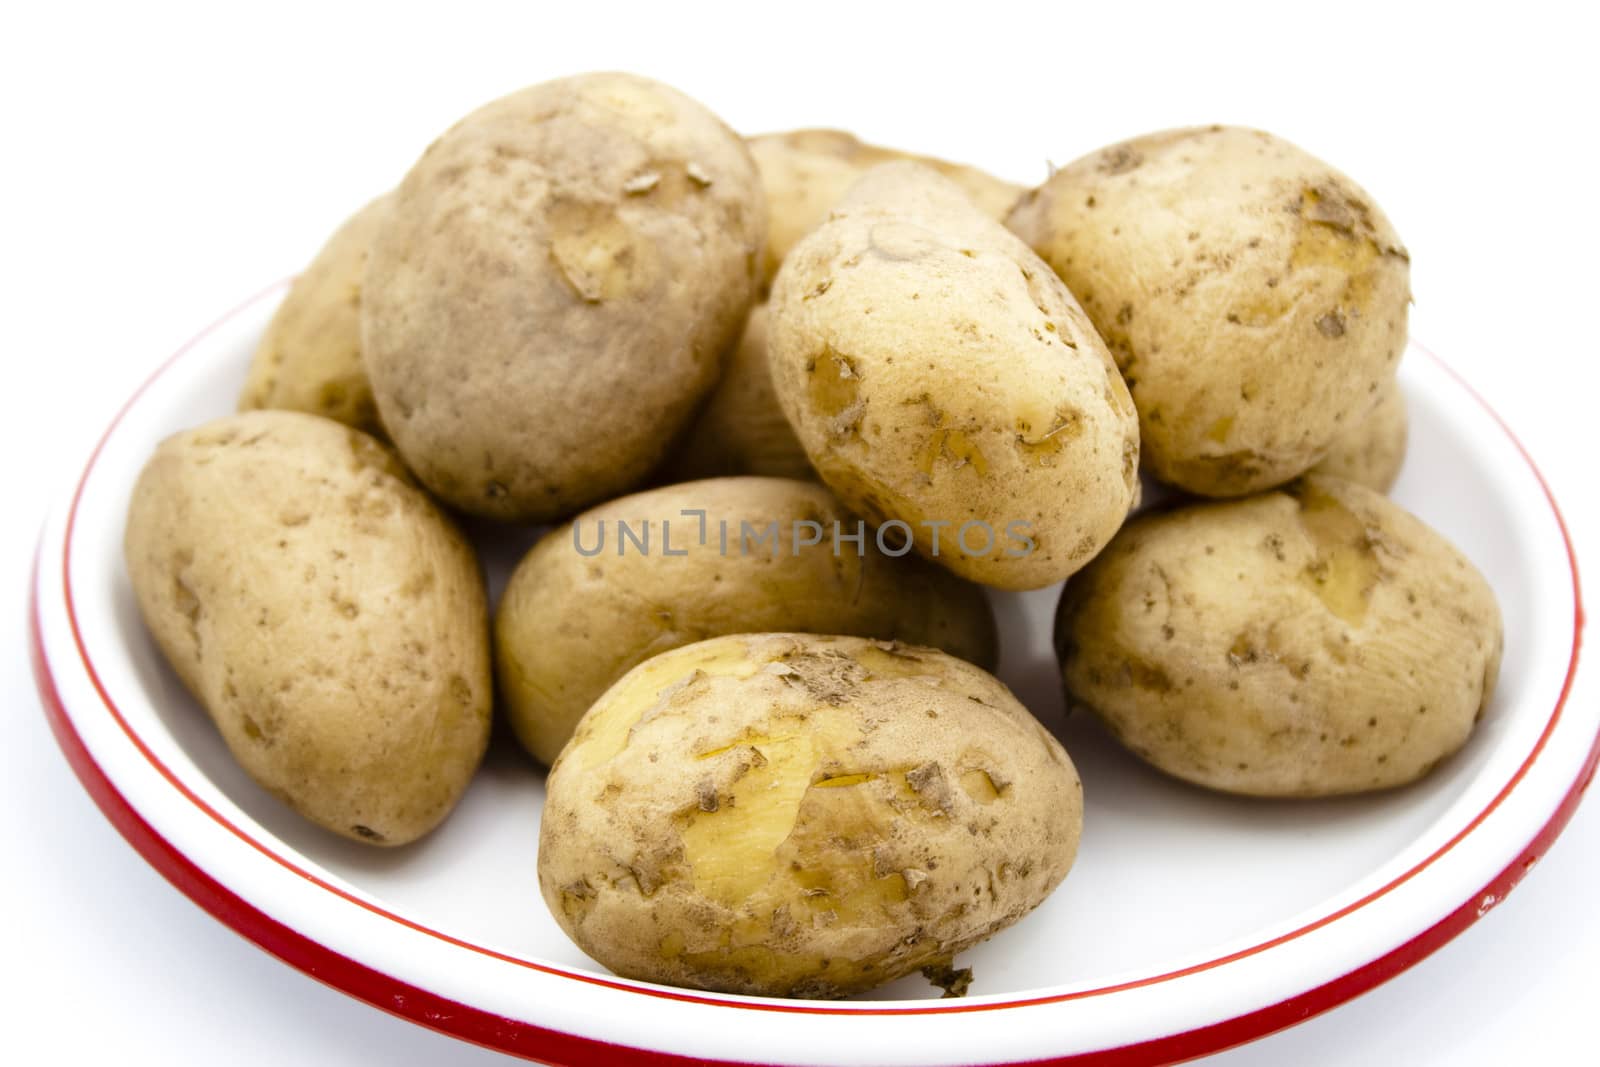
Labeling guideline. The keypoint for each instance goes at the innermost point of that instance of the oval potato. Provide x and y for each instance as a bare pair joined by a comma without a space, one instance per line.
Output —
1371,452
331,621
806,816
310,357
550,295
1306,642
937,372
804,173
578,614
1252,295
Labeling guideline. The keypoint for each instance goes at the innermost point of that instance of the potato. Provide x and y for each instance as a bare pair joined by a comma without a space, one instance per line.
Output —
331,621
804,816
1305,642
939,375
1253,296
741,428
310,357
1371,452
550,295
806,172
586,605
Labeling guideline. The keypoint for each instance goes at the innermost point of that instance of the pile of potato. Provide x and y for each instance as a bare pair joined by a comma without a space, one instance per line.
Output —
785,771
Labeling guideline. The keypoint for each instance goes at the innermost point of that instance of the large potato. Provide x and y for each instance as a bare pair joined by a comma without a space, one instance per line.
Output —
1371,452
310,357
937,373
741,428
805,173
553,288
1305,642
586,604
328,617
1252,295
789,815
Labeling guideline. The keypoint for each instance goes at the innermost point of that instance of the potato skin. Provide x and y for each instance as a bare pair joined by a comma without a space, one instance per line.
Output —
1371,452
551,293
570,625
935,370
1311,641
1252,295
310,357
804,173
803,816
331,621
741,428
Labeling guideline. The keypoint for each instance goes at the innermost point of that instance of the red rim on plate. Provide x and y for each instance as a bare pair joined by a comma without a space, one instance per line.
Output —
527,1039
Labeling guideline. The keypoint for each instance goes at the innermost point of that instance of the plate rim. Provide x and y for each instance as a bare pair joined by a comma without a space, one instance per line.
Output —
522,1037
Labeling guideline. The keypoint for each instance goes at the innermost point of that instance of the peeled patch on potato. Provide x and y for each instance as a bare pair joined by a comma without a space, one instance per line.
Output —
656,570
804,173
741,428
330,620
941,378
1254,296
794,815
310,357
1371,452
1307,642
550,295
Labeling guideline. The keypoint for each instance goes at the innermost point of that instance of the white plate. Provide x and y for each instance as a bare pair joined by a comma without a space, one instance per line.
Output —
1189,923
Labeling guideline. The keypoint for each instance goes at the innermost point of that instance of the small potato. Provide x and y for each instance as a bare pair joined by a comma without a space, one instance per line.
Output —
310,357
941,377
806,172
1252,295
586,605
1307,642
331,621
802,816
551,293
1371,452
741,428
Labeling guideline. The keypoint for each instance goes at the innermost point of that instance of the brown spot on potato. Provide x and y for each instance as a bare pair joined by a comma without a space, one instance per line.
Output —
842,781
952,447
1244,651
834,384
596,253
1337,233
1345,569
980,786
1042,442
929,784
1119,159
418,584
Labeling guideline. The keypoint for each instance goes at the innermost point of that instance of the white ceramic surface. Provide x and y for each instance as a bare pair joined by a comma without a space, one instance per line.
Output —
1186,913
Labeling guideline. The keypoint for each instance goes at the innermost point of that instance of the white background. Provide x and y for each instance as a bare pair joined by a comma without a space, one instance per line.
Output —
159,163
